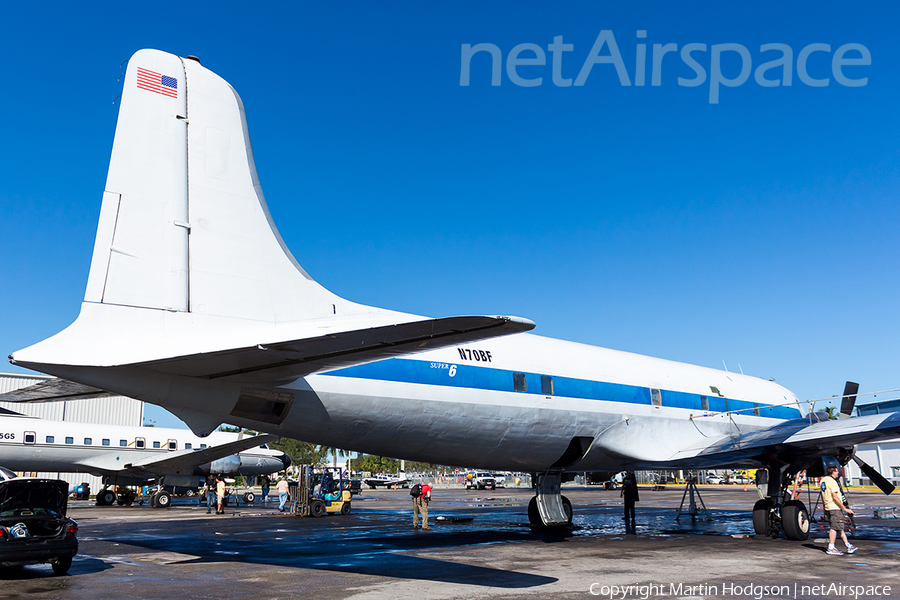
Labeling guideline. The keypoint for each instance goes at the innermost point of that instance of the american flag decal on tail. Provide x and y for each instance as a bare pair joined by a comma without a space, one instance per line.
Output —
157,82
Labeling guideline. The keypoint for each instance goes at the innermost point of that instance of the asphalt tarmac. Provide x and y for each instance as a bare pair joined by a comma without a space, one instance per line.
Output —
256,552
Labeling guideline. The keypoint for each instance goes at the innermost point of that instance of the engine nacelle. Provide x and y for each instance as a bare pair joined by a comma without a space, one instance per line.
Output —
225,466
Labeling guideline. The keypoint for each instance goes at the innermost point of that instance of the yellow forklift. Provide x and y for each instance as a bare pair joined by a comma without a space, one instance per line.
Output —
320,493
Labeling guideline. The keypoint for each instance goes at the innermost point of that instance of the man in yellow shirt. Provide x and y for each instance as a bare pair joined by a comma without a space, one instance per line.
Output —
834,509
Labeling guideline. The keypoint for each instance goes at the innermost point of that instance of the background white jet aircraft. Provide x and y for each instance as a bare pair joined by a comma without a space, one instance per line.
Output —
124,455
390,481
194,303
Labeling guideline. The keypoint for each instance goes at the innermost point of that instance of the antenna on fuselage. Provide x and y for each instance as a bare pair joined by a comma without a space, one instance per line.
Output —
724,365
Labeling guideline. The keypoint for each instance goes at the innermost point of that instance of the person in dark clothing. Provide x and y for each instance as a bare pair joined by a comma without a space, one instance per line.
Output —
210,493
630,495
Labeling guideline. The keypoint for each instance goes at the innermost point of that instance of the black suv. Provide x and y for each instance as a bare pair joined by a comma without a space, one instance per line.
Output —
33,523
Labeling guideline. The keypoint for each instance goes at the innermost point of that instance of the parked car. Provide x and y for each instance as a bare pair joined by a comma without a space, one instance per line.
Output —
33,523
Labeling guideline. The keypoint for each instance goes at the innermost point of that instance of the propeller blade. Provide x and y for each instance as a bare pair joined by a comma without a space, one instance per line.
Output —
849,398
877,478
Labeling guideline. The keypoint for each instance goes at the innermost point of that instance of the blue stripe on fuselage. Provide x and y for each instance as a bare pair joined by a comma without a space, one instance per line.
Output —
499,380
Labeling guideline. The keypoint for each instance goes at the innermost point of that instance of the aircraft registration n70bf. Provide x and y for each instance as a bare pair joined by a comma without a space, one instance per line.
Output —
194,303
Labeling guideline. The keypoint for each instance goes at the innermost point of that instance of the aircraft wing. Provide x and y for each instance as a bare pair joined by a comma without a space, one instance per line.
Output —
296,358
179,461
798,437
54,389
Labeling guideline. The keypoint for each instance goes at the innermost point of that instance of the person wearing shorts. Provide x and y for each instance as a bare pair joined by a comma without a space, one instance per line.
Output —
834,509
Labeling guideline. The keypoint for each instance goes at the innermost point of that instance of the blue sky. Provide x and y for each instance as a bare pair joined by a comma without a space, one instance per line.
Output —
760,231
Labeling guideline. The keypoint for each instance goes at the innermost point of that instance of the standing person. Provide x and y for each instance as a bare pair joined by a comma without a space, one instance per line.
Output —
630,494
264,482
420,504
282,488
220,494
834,508
210,493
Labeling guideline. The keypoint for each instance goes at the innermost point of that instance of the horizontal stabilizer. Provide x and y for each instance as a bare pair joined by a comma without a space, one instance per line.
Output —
53,390
340,349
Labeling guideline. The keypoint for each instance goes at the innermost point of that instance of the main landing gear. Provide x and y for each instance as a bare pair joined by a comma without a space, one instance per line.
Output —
777,512
549,508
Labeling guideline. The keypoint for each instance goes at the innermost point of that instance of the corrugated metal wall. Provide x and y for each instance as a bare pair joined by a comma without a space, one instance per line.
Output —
117,410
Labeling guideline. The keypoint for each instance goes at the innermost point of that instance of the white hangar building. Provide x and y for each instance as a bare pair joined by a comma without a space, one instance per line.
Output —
116,410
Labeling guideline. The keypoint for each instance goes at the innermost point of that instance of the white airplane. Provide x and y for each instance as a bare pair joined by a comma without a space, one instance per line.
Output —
194,303
124,455
389,481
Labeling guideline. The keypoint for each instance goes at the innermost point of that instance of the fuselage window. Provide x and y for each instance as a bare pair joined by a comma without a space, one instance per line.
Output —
50,439
29,437
546,385
70,440
123,443
655,397
173,445
106,441
704,402
87,441
519,382
138,442
187,445
203,446
156,444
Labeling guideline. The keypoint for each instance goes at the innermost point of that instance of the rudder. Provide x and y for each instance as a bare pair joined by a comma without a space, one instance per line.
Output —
184,225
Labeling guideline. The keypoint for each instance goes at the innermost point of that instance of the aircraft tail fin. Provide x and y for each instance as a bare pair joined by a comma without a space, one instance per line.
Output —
189,273
184,225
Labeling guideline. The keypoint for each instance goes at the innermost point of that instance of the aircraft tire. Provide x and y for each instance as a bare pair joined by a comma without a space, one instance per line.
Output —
534,515
106,498
163,500
761,517
345,508
249,497
795,520
567,506
152,500
316,508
